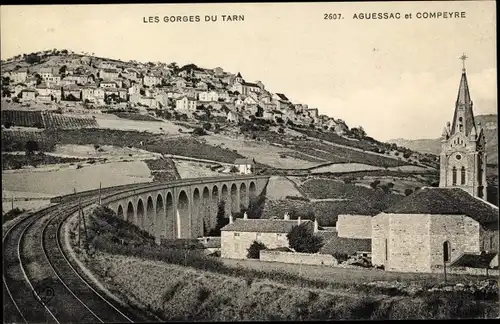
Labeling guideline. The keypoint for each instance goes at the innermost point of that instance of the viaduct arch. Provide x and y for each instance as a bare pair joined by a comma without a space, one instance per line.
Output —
185,208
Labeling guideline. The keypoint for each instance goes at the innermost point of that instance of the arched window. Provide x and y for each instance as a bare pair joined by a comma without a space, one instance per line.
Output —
454,176
446,251
462,171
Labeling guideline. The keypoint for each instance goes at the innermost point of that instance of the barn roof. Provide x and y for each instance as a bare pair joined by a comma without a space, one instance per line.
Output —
345,245
262,225
244,161
447,201
474,260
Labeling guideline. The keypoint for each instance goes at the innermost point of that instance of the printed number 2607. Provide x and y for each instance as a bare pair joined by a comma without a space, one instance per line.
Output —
330,16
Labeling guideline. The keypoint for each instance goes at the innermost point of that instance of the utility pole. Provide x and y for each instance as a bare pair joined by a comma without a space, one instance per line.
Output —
84,224
79,226
100,184
444,267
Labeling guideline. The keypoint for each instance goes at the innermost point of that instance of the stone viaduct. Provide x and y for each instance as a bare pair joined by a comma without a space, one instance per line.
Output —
184,208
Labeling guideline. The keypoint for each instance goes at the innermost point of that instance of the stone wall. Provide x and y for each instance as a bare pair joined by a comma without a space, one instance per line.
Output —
460,231
489,240
234,245
354,226
408,243
380,232
297,258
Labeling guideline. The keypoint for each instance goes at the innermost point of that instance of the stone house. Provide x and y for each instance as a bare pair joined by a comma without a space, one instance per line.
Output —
109,74
108,84
71,90
249,101
208,96
245,166
202,86
232,117
149,102
238,235
151,80
28,94
313,113
340,128
19,76
185,104
433,226
218,71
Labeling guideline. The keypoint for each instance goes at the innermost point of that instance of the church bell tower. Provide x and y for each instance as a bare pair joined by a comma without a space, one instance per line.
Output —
463,156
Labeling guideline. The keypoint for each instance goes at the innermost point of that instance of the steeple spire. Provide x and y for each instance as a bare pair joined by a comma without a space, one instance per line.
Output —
463,118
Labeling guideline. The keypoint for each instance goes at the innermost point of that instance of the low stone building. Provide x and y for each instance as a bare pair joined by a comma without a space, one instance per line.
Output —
238,235
245,166
431,227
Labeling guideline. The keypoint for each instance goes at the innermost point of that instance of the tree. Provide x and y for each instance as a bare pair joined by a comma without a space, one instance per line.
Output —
38,78
408,192
207,126
62,70
358,132
375,184
254,250
31,147
173,66
281,130
221,219
198,131
233,169
302,239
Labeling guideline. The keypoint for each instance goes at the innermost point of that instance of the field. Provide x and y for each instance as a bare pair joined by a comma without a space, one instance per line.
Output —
22,118
109,152
26,118
163,169
110,121
281,187
135,116
17,161
264,152
63,181
185,285
327,199
188,169
57,121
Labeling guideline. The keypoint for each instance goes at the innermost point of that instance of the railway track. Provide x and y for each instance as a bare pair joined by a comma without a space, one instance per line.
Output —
39,282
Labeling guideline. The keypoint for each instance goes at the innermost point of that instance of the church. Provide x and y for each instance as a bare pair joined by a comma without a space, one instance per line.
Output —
434,227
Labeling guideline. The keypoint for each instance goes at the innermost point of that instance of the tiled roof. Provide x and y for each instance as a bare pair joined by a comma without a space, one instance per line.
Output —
447,201
282,96
261,225
345,245
244,161
474,260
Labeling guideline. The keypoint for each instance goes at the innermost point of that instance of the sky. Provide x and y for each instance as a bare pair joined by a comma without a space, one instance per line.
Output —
397,78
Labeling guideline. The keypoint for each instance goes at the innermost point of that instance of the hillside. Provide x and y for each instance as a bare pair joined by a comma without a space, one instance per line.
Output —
433,146
156,97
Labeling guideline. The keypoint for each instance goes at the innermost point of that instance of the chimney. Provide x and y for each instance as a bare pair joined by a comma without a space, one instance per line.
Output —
286,217
315,225
230,218
245,215
298,220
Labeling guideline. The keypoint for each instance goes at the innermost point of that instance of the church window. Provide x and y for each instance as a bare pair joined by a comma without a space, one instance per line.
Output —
454,176
462,172
446,251
458,157
491,243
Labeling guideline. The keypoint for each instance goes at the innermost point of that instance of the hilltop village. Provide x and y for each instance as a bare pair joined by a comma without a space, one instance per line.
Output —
188,92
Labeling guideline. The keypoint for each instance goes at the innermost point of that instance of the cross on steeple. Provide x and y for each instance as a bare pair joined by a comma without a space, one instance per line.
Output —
463,58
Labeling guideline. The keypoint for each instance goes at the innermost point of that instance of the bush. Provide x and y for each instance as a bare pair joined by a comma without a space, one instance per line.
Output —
254,250
281,130
198,131
207,126
408,192
375,184
302,239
